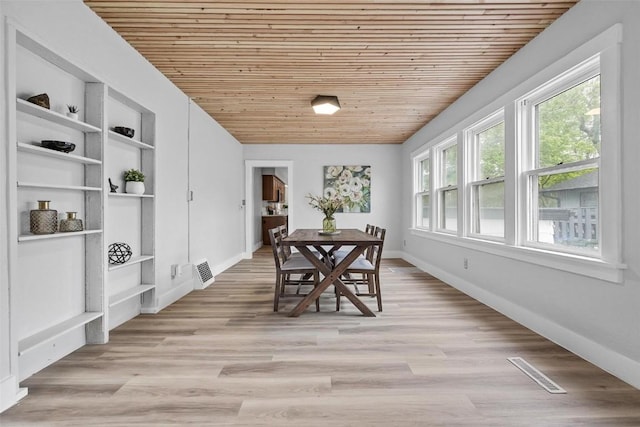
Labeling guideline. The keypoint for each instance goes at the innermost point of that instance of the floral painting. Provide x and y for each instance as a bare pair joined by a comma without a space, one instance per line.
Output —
352,184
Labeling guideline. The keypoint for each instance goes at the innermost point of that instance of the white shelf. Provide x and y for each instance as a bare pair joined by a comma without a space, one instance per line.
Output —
128,294
130,195
55,331
57,187
41,151
43,113
131,141
132,261
28,237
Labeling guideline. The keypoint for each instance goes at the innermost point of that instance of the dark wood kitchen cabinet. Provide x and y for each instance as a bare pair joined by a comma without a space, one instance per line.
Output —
272,189
269,222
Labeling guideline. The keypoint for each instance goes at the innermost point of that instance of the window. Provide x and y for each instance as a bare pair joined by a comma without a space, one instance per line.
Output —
562,141
447,159
423,196
485,143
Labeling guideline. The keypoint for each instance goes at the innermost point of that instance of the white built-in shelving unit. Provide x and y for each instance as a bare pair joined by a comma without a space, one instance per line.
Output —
131,217
64,293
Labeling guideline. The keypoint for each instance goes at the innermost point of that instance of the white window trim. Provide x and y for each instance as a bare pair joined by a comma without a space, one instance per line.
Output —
611,266
417,184
438,189
471,164
576,75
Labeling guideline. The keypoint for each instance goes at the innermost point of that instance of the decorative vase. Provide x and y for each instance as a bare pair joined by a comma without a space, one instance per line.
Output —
73,116
134,187
71,223
329,224
43,220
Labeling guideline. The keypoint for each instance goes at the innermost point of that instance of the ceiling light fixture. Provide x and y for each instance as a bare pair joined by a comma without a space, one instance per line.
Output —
325,104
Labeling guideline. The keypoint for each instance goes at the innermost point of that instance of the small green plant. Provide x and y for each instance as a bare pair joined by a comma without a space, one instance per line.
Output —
73,108
133,175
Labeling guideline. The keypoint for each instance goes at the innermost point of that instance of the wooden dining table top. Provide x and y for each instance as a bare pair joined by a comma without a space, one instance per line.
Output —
312,236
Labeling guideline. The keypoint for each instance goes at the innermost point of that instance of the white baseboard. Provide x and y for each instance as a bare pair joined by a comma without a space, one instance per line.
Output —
257,246
10,392
391,254
43,355
225,265
168,298
628,370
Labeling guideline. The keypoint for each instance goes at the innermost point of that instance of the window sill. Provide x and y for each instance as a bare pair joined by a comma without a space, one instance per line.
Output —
582,265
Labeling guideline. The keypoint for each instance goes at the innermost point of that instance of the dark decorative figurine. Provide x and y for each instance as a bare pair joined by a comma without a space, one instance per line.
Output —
113,186
41,100
119,253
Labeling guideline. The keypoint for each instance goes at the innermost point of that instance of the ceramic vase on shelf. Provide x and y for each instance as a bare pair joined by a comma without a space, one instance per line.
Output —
43,220
329,224
71,223
134,187
73,116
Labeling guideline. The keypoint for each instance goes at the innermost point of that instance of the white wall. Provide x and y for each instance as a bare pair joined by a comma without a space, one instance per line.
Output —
216,179
73,31
596,319
308,161
8,381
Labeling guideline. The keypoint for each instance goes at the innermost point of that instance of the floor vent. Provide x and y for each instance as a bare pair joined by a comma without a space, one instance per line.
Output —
204,276
536,375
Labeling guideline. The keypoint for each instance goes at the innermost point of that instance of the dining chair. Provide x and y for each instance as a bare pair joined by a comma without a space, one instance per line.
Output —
341,253
366,271
287,266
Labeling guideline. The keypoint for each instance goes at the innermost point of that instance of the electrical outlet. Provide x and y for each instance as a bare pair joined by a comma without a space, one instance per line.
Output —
404,242
466,263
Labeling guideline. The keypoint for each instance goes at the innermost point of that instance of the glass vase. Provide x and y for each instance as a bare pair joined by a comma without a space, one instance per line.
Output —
71,223
43,220
329,225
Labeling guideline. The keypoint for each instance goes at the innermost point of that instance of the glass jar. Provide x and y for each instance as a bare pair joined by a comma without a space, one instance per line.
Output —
43,220
329,224
71,223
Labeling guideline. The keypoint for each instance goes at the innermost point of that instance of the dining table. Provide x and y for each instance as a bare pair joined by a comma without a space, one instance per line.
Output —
304,240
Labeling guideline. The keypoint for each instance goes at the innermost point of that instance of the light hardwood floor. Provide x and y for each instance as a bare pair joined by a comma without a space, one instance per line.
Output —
221,357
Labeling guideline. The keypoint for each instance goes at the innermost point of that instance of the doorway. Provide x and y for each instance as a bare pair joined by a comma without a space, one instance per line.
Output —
253,195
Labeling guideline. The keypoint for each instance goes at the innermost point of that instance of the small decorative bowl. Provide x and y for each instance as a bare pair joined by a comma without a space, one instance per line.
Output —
128,132
65,147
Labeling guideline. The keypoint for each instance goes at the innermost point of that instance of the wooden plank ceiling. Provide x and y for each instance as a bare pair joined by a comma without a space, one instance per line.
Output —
254,66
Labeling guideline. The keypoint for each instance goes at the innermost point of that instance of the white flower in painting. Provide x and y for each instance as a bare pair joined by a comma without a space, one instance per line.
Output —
356,197
355,168
365,182
333,171
345,190
330,192
355,184
367,172
345,176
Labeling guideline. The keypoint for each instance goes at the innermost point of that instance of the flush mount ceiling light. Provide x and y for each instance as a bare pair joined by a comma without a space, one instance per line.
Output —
325,104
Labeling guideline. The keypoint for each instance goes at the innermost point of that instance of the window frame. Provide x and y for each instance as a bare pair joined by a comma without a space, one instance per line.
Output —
529,143
472,165
610,266
420,191
440,189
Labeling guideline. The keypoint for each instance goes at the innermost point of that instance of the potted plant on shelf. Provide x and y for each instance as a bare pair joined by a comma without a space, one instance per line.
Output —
134,181
73,112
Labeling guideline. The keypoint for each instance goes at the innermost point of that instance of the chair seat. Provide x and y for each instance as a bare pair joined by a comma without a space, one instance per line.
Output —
297,263
361,264
339,259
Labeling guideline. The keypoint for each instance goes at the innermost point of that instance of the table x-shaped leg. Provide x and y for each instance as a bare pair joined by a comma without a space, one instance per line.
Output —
331,276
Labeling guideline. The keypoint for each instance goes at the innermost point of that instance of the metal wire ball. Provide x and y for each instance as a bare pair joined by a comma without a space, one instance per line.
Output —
119,253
